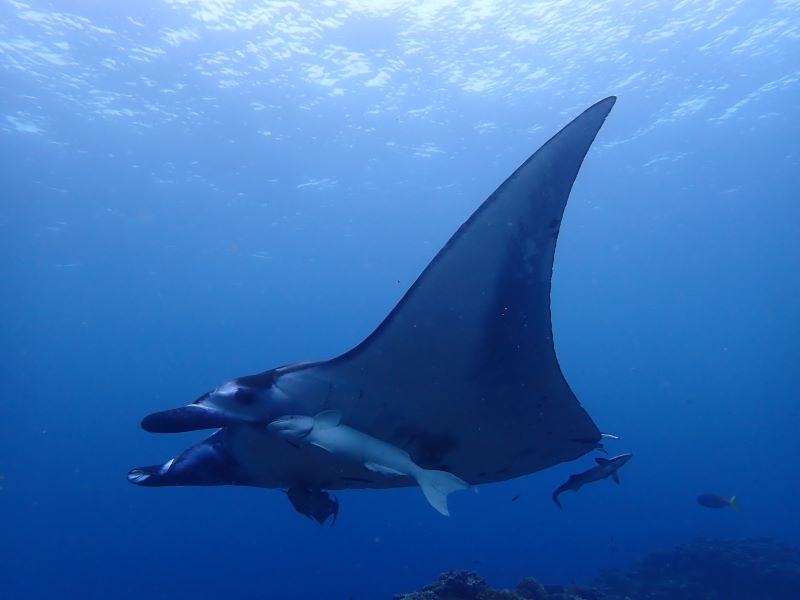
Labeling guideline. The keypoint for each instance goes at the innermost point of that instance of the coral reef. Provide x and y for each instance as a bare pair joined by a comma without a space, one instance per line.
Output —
703,570
710,570
460,585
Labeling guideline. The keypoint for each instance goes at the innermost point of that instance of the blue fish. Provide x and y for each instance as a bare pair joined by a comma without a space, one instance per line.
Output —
715,501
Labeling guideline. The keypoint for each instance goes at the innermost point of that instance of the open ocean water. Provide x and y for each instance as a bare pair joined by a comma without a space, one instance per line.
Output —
194,190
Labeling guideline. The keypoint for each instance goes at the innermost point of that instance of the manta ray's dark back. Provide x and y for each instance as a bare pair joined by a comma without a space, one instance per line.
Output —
462,374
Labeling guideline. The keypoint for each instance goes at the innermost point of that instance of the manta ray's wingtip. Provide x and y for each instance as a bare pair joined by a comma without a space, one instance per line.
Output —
605,105
610,101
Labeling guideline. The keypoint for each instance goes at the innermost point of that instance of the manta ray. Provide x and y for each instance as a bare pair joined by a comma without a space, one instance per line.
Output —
461,378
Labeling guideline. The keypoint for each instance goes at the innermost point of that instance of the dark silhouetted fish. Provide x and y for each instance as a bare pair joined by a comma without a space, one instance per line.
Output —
606,467
315,504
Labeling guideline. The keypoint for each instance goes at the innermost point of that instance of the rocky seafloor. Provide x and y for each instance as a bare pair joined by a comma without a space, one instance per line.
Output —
706,569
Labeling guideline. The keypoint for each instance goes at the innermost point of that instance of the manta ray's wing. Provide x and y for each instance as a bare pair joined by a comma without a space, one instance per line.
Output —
463,373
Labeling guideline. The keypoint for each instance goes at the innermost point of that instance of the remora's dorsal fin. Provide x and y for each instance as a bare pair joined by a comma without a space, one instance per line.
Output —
327,419
602,461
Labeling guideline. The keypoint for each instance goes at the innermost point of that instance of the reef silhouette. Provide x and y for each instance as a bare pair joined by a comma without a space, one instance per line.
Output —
706,569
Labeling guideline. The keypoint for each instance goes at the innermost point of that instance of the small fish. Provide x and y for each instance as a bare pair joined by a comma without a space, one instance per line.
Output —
715,501
606,467
515,498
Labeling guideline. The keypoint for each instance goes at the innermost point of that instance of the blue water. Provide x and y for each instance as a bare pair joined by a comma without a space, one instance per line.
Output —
194,190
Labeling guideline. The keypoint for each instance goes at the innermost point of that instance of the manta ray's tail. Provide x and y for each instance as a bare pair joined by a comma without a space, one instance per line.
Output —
437,485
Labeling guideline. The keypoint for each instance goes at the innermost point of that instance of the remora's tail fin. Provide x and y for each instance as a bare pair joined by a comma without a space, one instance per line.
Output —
733,503
437,485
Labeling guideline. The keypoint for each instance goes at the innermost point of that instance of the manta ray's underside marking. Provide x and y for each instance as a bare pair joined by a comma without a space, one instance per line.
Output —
462,374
